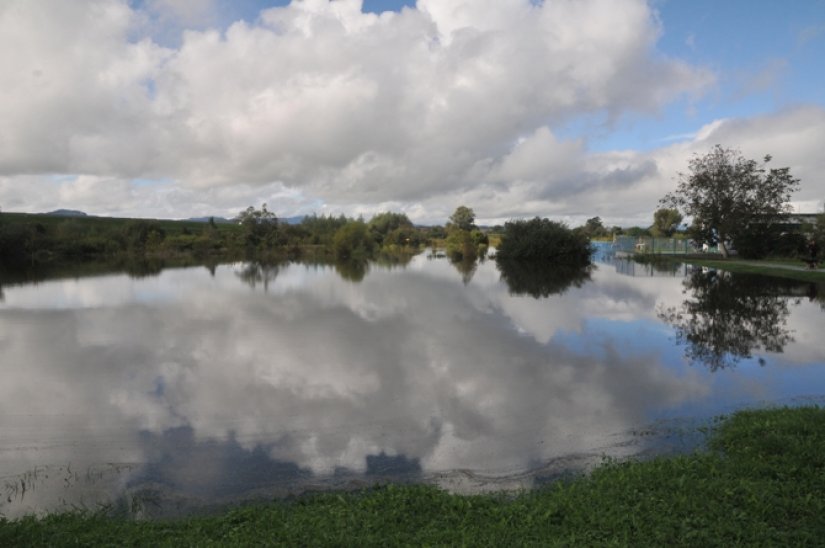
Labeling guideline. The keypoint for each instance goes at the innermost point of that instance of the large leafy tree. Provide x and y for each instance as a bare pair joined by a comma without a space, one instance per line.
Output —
666,221
259,225
728,196
463,218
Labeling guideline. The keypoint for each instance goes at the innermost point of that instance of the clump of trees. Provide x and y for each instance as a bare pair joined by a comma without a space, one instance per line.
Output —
464,239
255,234
545,241
260,226
734,200
353,241
395,232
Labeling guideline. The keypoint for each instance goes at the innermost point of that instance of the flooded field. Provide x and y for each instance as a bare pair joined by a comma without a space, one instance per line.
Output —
198,387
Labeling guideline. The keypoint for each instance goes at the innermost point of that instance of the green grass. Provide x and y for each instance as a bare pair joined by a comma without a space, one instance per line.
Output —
761,482
766,268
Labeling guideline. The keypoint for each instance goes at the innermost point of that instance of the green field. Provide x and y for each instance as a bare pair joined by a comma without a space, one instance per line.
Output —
760,482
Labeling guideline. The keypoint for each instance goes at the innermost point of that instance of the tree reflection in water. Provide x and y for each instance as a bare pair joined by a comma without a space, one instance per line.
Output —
541,280
254,274
466,266
730,316
352,270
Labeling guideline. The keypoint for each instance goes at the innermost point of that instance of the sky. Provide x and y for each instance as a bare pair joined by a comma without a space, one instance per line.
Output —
566,109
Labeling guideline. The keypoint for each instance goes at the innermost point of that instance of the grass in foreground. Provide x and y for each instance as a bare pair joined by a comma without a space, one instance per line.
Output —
762,482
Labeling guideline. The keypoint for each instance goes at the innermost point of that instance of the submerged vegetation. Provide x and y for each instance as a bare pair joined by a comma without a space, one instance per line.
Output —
760,482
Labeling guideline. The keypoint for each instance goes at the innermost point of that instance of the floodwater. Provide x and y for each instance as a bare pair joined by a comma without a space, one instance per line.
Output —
198,387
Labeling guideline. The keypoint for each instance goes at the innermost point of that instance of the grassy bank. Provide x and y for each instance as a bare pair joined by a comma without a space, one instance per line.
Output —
782,268
761,482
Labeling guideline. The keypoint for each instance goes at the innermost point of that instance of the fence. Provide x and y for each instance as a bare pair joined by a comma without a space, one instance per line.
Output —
645,244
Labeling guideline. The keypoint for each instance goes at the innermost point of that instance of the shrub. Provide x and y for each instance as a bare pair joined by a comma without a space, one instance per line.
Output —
353,240
543,240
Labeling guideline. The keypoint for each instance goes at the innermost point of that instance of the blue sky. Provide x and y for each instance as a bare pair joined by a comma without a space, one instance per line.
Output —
767,56
565,109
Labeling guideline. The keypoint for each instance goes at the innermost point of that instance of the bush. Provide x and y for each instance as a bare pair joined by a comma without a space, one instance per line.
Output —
543,240
353,240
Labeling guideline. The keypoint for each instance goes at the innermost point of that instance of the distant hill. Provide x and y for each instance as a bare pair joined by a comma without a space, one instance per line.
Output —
65,213
218,220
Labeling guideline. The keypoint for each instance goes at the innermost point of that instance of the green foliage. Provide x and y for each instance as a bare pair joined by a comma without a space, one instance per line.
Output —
320,230
593,228
727,195
260,226
637,232
140,234
37,239
761,483
353,241
384,223
543,240
464,242
665,222
436,232
463,218
818,232
394,231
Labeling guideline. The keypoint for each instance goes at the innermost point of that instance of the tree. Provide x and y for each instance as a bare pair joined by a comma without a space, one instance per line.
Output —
393,229
259,225
726,193
543,240
819,231
666,221
463,218
594,227
464,239
353,241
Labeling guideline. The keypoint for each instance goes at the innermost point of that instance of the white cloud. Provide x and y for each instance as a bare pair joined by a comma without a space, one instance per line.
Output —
350,107
319,106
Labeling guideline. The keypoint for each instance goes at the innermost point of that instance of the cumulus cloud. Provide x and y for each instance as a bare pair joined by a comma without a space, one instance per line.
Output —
349,107
318,106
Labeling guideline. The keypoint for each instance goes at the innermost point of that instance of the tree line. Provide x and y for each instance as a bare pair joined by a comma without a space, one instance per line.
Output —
257,233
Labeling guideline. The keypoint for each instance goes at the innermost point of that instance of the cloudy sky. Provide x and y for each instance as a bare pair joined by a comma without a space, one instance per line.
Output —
563,108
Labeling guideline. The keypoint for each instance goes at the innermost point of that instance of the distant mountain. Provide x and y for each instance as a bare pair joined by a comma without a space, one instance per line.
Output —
293,220
65,213
222,220
218,220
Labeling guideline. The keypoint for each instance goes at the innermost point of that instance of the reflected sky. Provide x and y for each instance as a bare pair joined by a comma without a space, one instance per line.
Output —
212,384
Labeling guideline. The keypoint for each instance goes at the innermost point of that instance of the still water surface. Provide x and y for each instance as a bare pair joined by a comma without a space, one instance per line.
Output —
199,387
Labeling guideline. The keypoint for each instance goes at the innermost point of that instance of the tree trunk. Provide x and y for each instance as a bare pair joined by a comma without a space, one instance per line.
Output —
722,247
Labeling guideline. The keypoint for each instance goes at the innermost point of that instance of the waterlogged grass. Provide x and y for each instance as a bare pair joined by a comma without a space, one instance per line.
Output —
780,269
761,482
777,269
